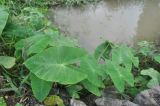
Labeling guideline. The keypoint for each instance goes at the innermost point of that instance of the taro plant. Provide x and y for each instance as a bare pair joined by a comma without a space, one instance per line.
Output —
117,60
55,62
55,65
146,48
149,55
49,61
63,59
152,73
147,74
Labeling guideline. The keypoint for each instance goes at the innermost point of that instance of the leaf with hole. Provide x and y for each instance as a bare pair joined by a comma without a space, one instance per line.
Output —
103,50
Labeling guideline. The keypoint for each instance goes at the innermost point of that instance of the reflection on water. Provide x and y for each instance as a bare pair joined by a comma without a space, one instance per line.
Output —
149,22
121,21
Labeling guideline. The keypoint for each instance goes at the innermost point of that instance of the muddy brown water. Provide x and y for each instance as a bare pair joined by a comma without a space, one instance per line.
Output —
120,21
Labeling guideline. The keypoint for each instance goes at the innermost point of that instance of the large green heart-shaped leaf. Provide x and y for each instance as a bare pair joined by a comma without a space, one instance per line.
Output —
55,64
3,18
7,61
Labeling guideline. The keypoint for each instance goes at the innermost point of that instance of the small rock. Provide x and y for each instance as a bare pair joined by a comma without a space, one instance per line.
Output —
89,100
74,102
110,92
113,102
150,97
109,98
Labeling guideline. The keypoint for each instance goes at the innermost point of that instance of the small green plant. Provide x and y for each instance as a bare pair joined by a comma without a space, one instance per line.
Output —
155,81
151,72
119,66
2,102
53,100
146,48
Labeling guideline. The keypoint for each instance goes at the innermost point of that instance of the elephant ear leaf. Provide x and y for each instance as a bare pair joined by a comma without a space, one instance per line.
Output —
73,90
120,66
91,88
90,66
7,62
32,45
155,75
3,18
116,75
40,87
56,64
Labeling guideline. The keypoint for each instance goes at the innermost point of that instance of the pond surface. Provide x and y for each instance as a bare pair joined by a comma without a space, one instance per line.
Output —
120,21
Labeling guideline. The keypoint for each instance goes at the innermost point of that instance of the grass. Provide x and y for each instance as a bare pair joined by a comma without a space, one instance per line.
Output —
16,6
